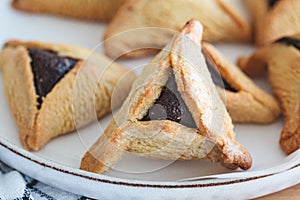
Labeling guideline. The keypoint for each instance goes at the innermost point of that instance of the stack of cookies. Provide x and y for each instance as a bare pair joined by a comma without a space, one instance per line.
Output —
184,103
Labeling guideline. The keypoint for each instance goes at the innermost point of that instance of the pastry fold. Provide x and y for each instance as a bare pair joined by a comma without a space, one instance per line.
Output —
274,19
45,107
100,10
141,27
280,60
244,100
193,124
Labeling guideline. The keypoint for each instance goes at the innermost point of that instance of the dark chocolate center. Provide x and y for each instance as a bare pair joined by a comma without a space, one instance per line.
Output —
272,3
217,78
48,68
290,42
170,106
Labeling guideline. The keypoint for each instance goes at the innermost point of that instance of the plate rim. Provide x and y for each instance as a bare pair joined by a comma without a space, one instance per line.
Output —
123,181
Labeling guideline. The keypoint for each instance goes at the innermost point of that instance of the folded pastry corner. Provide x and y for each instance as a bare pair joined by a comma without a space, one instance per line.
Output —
173,111
274,19
53,89
281,59
244,100
100,10
141,26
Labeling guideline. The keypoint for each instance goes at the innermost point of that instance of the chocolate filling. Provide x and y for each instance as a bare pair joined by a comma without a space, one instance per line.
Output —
48,68
217,78
290,42
272,3
170,106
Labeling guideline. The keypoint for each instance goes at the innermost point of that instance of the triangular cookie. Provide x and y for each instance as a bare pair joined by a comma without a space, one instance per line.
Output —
282,62
100,10
129,33
244,101
53,90
190,120
274,19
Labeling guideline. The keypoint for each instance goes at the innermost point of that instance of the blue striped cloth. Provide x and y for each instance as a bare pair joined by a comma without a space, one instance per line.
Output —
17,186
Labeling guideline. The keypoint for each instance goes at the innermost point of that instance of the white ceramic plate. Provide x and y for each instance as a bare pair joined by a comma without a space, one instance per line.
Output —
57,164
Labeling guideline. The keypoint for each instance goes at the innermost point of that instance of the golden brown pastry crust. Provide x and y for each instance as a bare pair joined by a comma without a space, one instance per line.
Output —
249,103
100,10
129,34
164,139
272,23
62,110
282,61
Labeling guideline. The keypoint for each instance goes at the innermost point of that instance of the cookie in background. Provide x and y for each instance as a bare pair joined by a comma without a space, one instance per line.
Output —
141,27
274,19
53,89
244,100
99,10
280,61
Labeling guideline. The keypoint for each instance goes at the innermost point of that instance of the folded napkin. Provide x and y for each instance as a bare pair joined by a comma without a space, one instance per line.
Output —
17,186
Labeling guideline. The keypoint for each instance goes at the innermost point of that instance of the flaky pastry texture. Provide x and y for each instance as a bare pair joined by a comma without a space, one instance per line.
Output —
212,137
